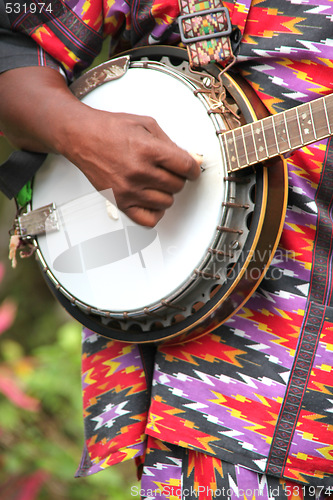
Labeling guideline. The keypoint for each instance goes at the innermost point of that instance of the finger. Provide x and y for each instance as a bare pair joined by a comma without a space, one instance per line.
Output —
177,160
198,158
173,158
151,125
157,178
144,217
153,200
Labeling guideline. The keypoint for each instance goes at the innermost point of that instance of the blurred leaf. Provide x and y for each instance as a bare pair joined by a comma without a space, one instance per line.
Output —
9,417
10,350
69,337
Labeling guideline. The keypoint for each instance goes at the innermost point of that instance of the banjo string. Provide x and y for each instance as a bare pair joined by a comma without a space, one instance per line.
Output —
92,204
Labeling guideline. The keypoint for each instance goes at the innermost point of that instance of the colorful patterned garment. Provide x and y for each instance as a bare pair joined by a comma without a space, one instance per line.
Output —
251,402
173,472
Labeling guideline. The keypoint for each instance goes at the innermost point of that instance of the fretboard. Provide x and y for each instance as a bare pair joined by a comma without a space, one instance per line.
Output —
278,134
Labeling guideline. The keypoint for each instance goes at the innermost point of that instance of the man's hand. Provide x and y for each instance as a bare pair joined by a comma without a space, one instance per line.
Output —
128,153
134,157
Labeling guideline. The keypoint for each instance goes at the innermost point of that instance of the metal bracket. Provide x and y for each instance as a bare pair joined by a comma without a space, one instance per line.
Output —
37,222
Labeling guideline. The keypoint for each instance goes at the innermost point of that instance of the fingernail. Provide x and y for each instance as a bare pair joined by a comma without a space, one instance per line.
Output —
198,157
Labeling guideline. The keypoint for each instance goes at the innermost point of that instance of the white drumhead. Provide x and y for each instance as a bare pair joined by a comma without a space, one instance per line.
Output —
116,265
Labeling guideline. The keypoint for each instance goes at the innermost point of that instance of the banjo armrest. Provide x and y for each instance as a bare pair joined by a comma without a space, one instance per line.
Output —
37,222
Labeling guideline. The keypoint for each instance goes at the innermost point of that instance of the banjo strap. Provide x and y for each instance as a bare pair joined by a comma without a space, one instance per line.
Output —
206,31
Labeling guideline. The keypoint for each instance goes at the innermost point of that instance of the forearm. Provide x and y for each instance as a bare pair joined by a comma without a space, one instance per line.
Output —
128,153
36,108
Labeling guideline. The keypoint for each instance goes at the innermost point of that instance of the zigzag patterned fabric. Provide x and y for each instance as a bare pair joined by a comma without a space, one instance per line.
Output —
173,472
254,398
258,391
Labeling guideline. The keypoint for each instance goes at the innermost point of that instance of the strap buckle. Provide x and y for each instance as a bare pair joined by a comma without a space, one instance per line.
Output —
218,34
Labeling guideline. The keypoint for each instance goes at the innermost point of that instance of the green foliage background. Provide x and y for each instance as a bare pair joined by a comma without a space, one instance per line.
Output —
41,442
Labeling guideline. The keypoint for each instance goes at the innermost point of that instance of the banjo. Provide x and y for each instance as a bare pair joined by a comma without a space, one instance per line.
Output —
206,257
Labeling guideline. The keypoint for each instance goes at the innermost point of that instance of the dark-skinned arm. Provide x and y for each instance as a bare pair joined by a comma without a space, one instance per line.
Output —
128,153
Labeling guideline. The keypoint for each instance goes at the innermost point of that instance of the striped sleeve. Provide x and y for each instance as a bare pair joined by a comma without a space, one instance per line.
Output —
18,50
69,37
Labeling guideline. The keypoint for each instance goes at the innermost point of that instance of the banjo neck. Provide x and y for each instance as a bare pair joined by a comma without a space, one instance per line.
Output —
278,134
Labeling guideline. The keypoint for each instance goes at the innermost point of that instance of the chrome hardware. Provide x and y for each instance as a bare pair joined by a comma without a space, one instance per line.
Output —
37,222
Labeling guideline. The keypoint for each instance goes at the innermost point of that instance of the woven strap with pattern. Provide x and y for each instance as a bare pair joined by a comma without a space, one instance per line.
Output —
205,28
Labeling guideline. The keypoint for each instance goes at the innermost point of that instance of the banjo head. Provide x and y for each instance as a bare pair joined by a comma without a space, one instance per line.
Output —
140,284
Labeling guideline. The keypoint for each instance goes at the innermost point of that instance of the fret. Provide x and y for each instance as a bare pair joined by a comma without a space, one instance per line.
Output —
328,104
299,127
320,118
235,148
281,133
312,122
259,139
249,144
299,124
326,116
245,149
230,151
306,123
264,137
240,147
224,144
286,129
293,131
270,136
